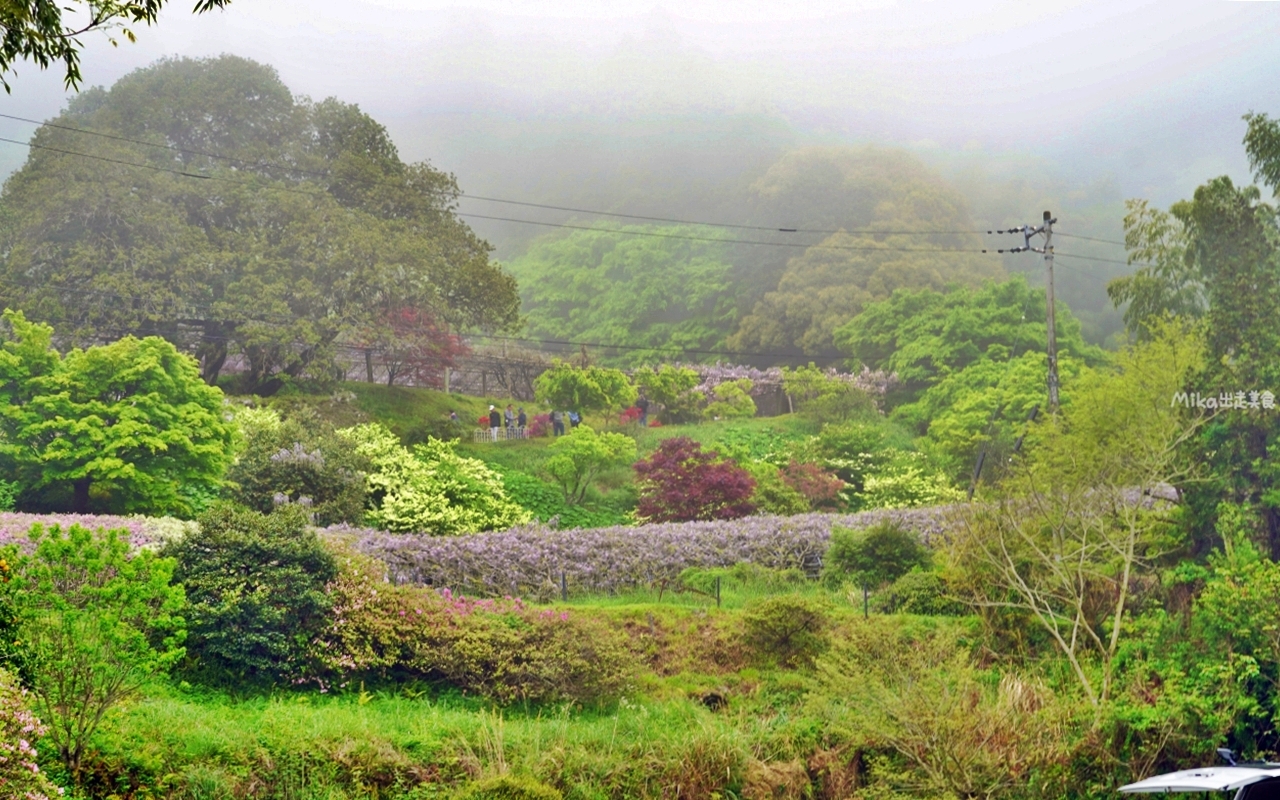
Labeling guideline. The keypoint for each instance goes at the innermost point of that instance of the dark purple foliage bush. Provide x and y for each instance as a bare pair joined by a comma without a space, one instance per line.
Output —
681,482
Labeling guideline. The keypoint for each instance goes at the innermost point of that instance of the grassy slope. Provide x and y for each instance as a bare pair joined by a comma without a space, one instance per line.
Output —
379,744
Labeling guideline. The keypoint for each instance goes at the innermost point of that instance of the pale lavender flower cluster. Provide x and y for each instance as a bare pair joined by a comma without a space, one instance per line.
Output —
299,455
149,532
530,561
875,382
712,375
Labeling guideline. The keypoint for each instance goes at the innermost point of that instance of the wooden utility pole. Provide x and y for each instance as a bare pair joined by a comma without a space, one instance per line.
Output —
1047,228
1027,232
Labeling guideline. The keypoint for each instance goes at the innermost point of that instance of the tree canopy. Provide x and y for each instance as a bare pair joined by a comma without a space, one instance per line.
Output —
260,225
35,31
872,197
131,421
608,286
924,335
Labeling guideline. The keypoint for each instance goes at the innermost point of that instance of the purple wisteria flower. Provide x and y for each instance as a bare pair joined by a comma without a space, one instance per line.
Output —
529,561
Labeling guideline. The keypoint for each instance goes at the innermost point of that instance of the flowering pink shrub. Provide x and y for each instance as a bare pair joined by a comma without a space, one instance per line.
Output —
540,425
20,775
681,482
629,416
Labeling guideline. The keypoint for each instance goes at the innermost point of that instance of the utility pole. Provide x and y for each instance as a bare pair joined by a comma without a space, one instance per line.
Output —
1047,228
1027,232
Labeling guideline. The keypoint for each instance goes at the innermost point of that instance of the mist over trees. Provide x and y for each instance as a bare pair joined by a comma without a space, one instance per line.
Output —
260,224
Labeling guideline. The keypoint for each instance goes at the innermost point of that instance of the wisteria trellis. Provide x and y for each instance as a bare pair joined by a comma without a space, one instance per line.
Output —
528,561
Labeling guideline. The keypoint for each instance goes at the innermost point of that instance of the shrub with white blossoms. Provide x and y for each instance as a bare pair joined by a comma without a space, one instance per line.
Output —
20,775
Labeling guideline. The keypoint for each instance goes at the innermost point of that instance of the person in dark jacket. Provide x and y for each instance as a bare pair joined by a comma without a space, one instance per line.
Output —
642,403
495,421
522,421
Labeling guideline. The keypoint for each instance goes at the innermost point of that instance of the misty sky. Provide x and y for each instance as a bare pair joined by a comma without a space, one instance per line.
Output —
1147,94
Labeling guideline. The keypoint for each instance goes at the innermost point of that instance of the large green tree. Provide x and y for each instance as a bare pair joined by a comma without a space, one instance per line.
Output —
925,335
1225,243
641,291
1168,283
129,423
309,229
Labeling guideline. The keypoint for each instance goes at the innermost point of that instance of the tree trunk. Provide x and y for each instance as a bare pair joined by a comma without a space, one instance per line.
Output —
213,355
80,496
368,365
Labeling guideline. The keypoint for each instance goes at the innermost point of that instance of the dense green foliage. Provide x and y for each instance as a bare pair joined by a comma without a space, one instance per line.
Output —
925,335
311,232
577,458
565,387
863,191
644,291
431,489
731,400
671,388
873,556
789,629
289,461
97,622
255,586
507,787
129,423
504,651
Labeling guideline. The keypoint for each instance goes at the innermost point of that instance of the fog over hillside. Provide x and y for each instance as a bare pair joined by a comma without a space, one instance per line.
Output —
675,109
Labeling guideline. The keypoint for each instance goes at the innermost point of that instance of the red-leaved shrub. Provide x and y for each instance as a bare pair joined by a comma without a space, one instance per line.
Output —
819,487
681,482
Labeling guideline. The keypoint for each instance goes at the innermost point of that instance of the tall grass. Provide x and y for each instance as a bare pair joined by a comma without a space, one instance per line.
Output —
378,745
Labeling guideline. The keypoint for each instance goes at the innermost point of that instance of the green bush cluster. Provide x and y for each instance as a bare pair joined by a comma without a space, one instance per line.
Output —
502,650
432,489
791,630
510,787
255,585
920,591
871,557
299,460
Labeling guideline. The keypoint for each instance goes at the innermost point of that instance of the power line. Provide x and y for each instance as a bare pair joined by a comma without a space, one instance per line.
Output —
566,225
1090,238
463,196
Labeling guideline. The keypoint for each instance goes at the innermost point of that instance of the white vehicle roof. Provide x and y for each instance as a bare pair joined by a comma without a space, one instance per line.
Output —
1205,779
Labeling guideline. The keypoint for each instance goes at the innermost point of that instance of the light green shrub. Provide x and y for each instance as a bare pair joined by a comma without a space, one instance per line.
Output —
789,629
578,458
731,400
431,490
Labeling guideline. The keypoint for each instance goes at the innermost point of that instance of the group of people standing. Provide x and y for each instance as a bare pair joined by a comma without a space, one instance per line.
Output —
513,421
